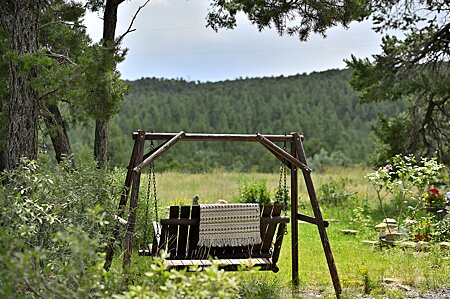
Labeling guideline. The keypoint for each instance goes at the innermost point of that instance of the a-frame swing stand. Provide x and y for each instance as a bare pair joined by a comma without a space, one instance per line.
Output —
294,160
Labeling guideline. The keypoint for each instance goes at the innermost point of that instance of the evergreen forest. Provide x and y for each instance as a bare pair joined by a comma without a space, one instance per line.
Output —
322,106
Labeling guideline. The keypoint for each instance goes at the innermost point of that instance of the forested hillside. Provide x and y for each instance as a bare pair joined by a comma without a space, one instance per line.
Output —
321,106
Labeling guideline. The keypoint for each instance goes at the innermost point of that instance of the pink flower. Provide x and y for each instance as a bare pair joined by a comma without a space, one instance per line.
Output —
388,167
434,191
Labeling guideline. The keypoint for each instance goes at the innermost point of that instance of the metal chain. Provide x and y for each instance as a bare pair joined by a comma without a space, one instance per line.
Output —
152,170
147,209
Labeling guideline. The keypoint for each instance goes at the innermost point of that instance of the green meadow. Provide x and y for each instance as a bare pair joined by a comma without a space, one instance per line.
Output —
362,268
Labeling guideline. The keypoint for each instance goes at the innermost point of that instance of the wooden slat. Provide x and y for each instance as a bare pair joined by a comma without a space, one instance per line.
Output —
183,233
193,232
311,220
189,262
177,263
173,231
278,242
267,242
206,263
266,212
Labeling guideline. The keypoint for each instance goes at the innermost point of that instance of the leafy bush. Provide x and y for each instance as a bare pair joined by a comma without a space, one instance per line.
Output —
255,192
408,181
160,283
54,222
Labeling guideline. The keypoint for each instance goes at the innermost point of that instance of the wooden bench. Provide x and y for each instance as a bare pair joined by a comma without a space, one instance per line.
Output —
178,237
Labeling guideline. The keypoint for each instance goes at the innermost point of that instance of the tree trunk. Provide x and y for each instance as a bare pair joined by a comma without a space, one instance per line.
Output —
101,142
21,22
58,134
101,126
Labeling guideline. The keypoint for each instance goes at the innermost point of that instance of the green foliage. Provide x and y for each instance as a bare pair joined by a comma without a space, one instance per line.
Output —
254,192
361,218
414,68
300,18
54,224
407,181
160,283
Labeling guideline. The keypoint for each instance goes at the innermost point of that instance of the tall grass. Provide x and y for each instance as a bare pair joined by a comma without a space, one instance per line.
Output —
357,264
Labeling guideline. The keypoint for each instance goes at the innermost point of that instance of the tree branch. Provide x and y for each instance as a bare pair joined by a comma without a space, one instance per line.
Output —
129,29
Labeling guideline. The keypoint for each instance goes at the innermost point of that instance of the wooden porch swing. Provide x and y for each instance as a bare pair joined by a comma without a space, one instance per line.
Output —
178,235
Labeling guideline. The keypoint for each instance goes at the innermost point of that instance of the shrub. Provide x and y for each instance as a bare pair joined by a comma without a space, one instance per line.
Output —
161,283
255,192
54,222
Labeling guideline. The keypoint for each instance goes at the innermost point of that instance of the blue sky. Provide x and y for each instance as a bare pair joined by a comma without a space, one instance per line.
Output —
171,41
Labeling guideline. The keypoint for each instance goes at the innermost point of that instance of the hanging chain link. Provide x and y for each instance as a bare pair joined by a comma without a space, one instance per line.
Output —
152,170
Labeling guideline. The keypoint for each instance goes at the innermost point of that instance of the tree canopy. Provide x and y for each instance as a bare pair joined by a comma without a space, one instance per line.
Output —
296,17
415,67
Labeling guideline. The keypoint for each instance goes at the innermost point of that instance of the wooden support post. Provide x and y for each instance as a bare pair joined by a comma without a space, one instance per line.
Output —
318,216
136,179
121,209
294,218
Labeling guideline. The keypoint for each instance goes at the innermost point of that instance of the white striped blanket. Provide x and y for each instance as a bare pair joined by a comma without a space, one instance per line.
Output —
229,225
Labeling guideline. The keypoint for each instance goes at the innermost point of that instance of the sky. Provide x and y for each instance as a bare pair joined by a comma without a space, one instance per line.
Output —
171,41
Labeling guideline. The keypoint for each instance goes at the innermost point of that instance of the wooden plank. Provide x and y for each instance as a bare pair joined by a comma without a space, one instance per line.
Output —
275,219
206,263
318,215
265,213
267,242
190,262
193,232
183,233
311,220
177,263
235,261
159,152
136,178
278,242
225,262
215,137
174,212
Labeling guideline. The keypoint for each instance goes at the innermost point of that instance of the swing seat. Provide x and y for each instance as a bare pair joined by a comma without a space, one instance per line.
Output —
179,234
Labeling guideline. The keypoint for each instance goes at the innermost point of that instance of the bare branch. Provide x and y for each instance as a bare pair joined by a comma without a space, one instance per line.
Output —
129,29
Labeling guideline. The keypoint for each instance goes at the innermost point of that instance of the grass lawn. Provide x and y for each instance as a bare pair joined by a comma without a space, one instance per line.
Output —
361,267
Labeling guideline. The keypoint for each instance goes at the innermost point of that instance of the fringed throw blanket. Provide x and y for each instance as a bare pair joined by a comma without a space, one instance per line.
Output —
229,225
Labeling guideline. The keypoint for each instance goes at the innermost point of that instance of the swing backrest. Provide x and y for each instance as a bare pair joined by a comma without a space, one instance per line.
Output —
179,236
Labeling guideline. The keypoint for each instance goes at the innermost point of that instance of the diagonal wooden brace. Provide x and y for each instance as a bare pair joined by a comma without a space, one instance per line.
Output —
279,152
161,150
